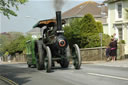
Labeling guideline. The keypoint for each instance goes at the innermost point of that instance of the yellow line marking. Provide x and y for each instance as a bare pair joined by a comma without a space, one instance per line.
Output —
108,76
8,81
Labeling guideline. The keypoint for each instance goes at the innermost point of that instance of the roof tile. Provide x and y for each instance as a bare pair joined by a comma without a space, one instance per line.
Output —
85,8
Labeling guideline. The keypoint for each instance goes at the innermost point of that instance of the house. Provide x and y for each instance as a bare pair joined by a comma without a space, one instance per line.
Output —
99,11
118,20
35,31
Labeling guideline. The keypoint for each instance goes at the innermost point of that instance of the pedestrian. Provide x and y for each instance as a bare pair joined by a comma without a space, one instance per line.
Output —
115,40
115,36
108,53
113,49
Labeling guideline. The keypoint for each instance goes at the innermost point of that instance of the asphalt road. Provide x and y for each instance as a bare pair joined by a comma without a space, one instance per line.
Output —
89,74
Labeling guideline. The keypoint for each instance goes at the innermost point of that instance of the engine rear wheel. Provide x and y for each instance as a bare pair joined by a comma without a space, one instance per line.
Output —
29,66
40,56
64,63
76,56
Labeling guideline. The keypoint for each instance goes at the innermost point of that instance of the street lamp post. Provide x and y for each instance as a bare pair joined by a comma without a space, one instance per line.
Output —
101,36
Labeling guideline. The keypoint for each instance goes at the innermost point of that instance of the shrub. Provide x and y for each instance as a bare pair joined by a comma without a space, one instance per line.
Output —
99,27
122,42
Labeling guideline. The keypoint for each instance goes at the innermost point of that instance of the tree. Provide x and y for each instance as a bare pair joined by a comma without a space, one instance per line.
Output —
88,24
88,28
7,38
72,32
13,42
18,45
7,5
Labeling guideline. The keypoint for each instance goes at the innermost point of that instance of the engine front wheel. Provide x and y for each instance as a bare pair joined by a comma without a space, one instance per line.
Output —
76,56
48,60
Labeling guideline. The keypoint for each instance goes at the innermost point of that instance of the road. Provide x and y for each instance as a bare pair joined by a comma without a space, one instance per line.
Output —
89,74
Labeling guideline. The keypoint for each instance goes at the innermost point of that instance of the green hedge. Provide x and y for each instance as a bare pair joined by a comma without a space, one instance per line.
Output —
85,32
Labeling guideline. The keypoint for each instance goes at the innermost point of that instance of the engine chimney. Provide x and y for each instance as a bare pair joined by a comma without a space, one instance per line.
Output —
58,20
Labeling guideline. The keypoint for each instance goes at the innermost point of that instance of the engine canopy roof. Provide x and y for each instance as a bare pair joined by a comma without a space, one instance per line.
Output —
48,22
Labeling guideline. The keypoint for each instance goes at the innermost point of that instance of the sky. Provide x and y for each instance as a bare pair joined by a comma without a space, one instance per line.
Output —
33,11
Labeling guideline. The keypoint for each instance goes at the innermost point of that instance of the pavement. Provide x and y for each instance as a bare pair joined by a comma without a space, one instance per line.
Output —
118,63
11,62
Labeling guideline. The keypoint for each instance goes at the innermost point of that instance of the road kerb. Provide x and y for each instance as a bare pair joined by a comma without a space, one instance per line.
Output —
8,81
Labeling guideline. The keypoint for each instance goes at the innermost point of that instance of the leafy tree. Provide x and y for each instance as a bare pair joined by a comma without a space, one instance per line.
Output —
7,5
88,28
6,39
13,42
88,24
18,45
72,31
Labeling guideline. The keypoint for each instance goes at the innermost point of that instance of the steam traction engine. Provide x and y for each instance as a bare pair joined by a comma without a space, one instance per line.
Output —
52,46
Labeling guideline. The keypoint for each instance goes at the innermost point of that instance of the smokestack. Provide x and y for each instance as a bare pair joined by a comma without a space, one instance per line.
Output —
58,4
58,20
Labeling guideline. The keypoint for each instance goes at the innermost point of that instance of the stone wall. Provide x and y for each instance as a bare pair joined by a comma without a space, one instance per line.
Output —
121,51
92,54
16,58
88,54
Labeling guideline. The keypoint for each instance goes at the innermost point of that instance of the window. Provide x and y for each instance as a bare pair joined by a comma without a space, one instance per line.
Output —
119,10
120,33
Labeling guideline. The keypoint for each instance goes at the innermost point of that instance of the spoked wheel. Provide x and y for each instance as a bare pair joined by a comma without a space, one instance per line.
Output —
48,60
40,56
76,56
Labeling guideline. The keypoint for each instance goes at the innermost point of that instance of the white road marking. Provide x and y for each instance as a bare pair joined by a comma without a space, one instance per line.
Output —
108,76
116,65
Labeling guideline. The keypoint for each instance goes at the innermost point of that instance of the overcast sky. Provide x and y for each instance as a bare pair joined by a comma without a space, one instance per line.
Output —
33,11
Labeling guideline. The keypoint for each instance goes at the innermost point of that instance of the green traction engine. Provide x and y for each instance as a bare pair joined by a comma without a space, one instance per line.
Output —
52,47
